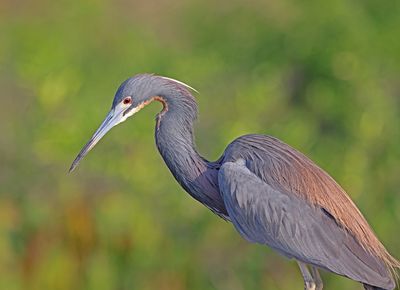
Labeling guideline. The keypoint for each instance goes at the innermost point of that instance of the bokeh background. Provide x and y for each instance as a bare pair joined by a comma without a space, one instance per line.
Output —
324,76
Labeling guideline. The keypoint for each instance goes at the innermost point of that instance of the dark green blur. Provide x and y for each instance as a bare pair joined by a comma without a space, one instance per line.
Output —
324,76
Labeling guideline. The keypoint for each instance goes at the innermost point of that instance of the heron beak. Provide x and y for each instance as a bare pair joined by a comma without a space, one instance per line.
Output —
114,117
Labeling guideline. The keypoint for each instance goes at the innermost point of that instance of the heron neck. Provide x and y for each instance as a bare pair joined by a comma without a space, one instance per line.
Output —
175,142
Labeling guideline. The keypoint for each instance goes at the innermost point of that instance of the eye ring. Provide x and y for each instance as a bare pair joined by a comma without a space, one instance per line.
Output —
127,101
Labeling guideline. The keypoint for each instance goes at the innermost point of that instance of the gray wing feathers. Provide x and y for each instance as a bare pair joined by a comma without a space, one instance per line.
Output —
293,227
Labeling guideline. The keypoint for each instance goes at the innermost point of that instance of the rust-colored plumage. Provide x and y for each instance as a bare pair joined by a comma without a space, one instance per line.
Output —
296,173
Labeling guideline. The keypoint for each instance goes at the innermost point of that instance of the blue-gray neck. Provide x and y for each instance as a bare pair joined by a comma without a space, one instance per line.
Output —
175,142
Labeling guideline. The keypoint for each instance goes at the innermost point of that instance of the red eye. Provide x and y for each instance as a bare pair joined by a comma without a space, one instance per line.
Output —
127,101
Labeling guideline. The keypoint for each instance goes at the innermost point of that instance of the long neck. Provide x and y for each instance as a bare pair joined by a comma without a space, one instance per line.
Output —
175,142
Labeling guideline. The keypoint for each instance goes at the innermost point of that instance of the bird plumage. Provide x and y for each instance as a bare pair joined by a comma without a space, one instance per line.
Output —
294,227
286,169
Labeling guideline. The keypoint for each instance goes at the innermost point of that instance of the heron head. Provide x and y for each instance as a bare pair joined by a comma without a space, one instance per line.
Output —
132,95
129,99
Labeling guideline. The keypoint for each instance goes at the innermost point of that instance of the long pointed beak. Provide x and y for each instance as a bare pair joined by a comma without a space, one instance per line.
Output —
113,118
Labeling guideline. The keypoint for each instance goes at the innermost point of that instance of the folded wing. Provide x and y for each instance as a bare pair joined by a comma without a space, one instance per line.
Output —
295,228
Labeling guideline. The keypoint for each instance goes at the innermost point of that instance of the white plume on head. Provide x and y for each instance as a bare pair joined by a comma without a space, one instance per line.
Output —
181,83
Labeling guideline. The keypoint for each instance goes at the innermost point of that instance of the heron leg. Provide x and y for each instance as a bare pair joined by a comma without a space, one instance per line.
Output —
317,278
309,283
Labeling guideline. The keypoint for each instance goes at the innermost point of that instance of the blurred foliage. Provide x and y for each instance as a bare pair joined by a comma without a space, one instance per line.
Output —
324,76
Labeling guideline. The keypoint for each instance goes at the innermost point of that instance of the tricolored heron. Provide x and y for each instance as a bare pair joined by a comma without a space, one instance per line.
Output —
272,193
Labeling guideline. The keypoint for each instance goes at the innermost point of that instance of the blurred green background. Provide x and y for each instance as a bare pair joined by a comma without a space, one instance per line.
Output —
324,76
